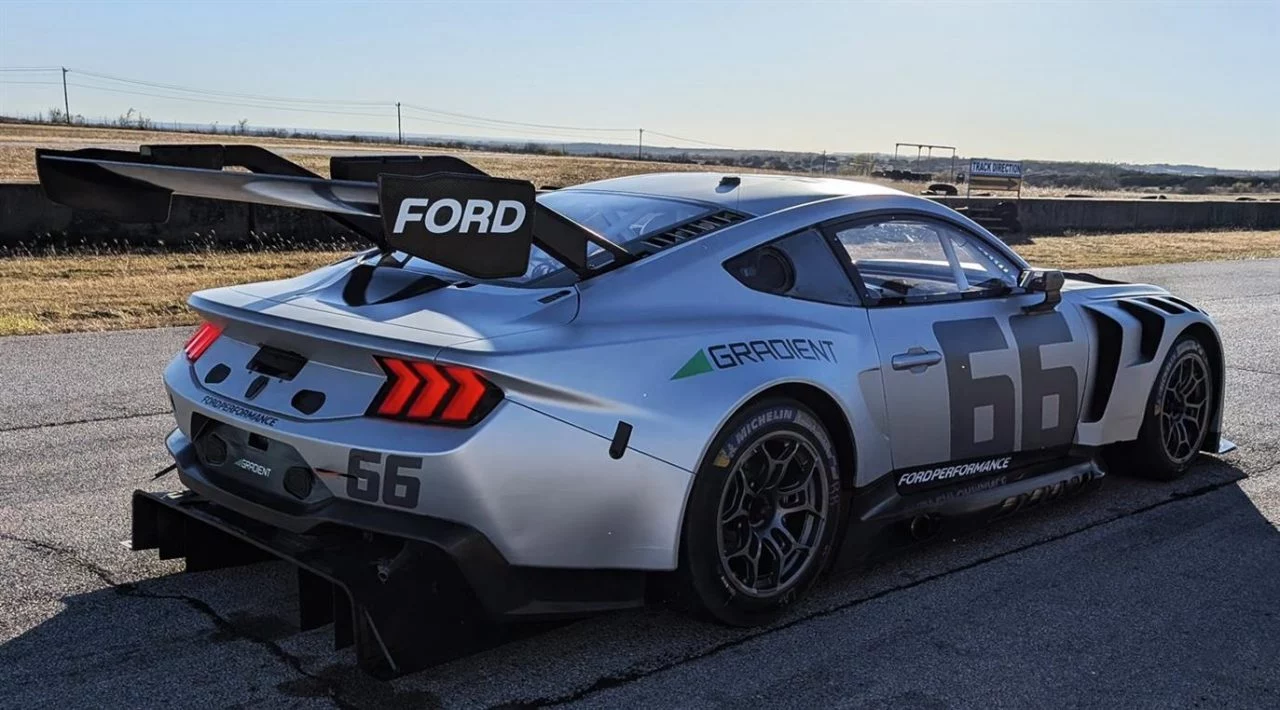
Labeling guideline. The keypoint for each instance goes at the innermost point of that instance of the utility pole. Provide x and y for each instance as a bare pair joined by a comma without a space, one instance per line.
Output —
640,145
66,105
824,162
399,131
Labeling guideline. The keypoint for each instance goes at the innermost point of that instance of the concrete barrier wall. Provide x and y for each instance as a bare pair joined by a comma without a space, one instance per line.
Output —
1047,215
27,219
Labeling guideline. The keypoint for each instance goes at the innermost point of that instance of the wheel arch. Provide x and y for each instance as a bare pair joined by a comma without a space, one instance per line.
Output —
1208,338
829,413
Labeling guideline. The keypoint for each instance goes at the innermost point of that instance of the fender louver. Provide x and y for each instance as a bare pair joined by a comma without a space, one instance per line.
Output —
1165,305
1110,341
1152,328
691,229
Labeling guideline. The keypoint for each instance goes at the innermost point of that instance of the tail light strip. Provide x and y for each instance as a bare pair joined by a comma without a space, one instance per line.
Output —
201,340
433,394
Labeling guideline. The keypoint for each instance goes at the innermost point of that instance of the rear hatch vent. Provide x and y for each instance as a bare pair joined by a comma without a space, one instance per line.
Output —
689,230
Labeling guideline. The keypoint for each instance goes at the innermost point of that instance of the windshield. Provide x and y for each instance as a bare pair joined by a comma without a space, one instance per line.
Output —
617,217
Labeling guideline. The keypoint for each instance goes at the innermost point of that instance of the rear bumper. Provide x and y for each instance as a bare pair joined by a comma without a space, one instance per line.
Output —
504,591
406,591
545,493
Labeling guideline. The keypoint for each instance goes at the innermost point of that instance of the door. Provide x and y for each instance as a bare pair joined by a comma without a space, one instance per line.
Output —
973,384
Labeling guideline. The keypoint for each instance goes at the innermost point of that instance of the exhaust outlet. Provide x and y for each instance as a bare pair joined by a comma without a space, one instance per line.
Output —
923,527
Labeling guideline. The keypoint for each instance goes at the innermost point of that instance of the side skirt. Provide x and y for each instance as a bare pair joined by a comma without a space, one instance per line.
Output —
883,520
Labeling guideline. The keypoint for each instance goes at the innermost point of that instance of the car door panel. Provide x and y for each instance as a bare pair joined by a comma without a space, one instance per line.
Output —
1007,381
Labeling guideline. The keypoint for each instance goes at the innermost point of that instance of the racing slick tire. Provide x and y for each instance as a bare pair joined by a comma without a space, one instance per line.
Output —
1178,415
761,520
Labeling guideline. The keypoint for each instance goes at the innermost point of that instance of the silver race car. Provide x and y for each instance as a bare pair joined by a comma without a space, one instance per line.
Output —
559,401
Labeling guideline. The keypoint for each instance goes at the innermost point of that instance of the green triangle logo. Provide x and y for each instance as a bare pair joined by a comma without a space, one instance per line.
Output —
697,365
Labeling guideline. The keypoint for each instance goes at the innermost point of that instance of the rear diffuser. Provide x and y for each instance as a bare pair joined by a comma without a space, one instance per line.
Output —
402,604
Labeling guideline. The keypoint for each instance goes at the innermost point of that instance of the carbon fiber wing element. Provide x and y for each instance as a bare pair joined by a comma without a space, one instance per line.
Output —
469,235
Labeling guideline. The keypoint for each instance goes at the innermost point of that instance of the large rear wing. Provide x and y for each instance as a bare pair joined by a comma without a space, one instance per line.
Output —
438,208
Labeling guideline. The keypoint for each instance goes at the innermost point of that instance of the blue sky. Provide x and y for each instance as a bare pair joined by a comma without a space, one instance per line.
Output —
1115,82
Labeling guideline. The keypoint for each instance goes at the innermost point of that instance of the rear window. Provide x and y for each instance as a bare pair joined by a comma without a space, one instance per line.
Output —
618,217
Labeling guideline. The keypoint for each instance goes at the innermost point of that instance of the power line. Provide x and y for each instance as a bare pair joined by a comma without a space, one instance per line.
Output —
526,131
240,104
540,129
692,140
331,102
334,107
230,94
426,109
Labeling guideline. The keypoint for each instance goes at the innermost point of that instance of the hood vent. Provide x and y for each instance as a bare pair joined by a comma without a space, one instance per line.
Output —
689,230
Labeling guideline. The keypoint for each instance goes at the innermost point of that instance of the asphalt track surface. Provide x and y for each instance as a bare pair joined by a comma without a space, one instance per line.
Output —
1139,595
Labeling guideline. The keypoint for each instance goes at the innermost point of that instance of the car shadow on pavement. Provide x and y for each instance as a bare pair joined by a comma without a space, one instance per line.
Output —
229,637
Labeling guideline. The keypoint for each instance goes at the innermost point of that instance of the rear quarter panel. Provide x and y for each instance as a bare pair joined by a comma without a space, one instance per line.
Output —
675,346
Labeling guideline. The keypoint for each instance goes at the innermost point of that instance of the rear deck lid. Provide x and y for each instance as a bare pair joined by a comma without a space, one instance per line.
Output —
285,343
400,304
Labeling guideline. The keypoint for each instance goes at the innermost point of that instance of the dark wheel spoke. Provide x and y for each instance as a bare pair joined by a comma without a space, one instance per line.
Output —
736,491
798,502
1183,439
751,553
754,470
1190,383
779,461
789,550
777,557
802,480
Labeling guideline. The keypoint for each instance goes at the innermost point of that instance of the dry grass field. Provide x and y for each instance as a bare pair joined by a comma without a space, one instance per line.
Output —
85,293
61,294
1084,251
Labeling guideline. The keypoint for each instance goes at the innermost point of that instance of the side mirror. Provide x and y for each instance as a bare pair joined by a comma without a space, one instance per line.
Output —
1046,281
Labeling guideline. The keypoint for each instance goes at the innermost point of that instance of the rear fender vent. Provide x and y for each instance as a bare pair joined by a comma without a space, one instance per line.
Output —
1152,328
1106,362
689,230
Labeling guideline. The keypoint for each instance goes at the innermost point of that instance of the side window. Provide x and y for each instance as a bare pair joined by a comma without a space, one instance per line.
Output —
984,268
801,265
913,260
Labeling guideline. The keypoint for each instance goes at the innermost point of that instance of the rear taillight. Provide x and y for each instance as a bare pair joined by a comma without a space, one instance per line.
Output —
433,394
201,340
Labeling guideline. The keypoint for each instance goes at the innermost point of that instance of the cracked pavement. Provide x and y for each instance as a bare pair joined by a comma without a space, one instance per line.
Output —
1141,594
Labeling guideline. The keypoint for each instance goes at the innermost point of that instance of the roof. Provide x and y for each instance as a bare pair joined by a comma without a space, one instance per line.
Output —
754,194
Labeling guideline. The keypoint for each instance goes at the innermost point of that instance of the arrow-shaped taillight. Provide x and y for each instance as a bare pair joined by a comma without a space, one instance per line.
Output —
433,394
